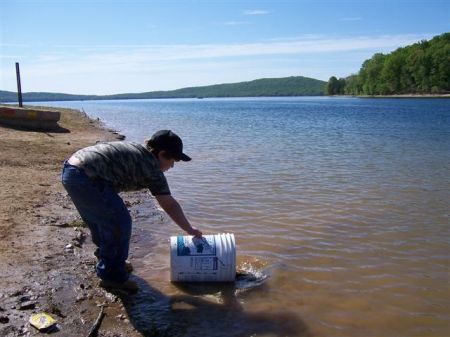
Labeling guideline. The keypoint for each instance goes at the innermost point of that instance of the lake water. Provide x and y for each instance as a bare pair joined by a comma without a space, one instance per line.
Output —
343,202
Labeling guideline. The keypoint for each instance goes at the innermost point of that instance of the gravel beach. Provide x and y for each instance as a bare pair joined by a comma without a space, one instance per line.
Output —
46,255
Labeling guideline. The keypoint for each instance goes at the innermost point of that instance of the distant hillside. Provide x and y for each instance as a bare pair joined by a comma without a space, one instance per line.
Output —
286,86
8,96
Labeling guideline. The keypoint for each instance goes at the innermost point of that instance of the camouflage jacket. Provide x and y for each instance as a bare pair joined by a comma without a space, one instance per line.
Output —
128,166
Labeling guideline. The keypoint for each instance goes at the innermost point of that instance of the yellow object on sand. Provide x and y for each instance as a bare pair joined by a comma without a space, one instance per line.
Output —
42,321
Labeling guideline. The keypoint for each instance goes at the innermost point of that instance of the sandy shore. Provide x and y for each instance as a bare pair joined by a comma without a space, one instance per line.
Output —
407,96
46,260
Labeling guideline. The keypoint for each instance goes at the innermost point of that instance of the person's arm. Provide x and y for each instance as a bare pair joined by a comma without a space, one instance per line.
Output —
173,208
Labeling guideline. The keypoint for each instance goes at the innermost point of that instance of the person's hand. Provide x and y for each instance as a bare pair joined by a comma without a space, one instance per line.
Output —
195,232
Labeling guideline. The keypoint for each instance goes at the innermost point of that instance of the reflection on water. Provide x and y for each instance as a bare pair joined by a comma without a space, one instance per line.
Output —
343,202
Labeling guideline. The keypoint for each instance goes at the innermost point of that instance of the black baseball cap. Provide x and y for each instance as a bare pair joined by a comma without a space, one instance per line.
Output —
166,140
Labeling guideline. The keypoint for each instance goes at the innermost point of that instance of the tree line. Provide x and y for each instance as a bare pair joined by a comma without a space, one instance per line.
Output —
421,68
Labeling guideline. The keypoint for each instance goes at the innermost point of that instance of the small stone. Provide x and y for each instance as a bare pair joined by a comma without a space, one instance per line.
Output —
26,306
111,297
80,298
69,246
25,298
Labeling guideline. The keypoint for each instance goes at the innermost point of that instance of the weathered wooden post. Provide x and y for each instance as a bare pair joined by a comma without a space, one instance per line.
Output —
19,88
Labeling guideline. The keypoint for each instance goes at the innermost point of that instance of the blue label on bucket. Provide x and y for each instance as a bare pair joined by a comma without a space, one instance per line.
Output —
204,263
187,246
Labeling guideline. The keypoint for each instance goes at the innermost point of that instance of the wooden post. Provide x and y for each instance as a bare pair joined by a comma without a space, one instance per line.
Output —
19,87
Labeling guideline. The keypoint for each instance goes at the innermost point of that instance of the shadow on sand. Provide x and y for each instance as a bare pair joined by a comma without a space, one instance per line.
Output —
53,128
206,310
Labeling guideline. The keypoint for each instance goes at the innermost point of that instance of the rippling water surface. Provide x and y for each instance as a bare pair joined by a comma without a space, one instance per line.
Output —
344,203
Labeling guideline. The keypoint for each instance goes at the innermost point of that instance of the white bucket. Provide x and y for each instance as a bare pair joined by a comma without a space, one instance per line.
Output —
209,259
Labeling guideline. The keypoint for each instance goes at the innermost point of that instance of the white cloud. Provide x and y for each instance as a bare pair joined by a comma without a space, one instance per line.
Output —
134,68
256,12
149,53
297,46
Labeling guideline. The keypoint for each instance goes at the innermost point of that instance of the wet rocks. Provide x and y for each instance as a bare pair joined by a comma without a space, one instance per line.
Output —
26,305
22,299
26,302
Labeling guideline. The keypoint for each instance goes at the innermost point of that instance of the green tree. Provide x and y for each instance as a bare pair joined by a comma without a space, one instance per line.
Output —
371,70
341,86
391,74
352,85
423,67
335,86
332,85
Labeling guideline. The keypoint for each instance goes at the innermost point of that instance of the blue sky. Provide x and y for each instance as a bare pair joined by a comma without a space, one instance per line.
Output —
118,46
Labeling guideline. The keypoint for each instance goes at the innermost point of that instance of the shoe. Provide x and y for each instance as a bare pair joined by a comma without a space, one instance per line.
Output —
128,267
128,286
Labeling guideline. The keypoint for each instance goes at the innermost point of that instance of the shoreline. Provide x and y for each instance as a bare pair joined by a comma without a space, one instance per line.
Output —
394,96
406,96
46,255
14,103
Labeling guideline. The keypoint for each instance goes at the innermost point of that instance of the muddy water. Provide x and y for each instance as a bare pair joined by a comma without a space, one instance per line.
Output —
342,203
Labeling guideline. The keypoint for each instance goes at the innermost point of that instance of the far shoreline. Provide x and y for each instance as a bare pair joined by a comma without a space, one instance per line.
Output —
394,96
399,96
406,96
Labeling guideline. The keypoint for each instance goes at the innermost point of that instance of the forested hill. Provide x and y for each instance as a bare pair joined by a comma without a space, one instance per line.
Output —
421,68
286,86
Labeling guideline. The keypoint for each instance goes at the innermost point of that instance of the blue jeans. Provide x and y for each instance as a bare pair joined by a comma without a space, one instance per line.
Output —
107,217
